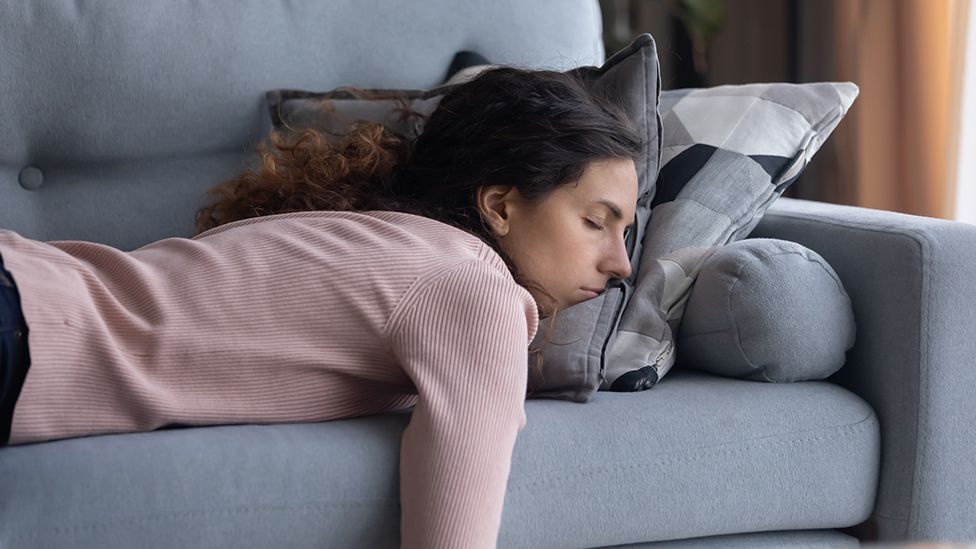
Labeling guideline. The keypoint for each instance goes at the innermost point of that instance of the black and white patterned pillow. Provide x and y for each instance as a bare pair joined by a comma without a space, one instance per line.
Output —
728,152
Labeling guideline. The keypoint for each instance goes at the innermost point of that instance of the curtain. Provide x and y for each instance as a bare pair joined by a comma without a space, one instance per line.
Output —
897,150
898,147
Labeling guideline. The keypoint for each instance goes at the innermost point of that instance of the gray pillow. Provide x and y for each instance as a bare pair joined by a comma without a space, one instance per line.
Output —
766,310
728,153
573,367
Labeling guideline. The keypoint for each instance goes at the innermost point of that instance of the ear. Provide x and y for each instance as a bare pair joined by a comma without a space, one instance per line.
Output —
495,203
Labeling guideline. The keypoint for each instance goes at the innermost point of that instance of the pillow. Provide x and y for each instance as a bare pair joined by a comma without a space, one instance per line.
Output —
766,310
573,366
728,153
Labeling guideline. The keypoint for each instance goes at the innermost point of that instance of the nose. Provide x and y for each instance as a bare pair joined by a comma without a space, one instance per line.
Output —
617,264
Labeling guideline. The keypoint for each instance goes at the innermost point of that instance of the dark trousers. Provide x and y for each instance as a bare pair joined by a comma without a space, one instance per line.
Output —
14,355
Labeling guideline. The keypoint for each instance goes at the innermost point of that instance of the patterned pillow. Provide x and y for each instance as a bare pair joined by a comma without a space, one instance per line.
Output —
572,367
728,153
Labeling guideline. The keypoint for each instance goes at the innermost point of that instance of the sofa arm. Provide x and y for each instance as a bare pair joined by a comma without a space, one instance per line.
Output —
912,283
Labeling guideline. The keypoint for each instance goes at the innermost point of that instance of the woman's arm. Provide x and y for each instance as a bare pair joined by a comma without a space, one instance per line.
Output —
463,340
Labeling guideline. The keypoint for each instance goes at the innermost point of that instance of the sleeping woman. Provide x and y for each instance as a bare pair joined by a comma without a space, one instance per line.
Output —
341,278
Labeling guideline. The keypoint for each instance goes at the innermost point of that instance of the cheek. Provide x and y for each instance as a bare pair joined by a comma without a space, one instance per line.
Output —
541,260
567,254
552,250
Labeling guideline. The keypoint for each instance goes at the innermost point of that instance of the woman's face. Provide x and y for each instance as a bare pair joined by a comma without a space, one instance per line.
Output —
572,241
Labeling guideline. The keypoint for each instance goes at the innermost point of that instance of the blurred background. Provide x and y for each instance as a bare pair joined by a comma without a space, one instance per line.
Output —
909,142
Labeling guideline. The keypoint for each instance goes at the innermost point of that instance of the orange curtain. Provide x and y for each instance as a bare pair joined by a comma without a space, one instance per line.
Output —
897,149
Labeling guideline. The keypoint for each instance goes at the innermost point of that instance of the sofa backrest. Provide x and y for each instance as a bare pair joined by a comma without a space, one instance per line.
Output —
116,115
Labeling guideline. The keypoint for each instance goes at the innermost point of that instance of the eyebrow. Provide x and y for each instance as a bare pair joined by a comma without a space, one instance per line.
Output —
613,209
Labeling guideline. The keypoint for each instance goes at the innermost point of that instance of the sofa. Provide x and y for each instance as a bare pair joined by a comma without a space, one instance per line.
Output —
117,115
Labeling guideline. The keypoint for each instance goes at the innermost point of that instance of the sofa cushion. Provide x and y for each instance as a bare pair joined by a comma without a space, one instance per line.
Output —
700,455
767,310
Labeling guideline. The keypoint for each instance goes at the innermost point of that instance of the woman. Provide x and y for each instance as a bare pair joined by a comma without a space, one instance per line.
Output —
340,280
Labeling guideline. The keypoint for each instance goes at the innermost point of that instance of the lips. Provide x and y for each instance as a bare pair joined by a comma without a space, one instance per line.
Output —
590,293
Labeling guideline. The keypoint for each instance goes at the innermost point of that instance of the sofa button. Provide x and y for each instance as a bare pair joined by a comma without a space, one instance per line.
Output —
31,178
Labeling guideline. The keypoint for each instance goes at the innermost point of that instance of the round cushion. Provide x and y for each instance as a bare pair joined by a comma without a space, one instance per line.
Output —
766,310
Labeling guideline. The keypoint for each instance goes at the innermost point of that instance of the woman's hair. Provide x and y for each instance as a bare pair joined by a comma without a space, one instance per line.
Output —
535,130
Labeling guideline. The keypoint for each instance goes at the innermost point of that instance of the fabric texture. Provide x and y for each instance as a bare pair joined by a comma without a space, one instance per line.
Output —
766,310
702,455
573,365
910,280
728,153
301,317
169,95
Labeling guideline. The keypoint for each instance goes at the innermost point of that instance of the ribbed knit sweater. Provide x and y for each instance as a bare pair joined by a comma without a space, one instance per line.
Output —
292,318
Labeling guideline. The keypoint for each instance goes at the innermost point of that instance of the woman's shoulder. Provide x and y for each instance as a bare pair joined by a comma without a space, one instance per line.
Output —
469,292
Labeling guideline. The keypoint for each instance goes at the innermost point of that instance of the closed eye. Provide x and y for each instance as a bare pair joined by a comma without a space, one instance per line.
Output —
595,225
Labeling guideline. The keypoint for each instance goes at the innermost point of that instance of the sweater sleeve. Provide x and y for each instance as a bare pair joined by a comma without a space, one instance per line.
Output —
463,340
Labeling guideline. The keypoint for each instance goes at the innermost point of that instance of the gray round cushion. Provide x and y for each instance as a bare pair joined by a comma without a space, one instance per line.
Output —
766,310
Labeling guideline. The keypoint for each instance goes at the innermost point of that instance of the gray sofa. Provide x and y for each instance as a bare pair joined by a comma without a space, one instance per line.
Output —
116,115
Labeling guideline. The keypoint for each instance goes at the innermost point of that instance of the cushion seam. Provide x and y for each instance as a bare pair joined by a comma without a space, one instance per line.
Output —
682,457
735,323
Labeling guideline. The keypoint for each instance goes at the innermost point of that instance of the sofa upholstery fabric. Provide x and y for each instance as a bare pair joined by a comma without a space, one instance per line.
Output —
698,456
117,116
911,285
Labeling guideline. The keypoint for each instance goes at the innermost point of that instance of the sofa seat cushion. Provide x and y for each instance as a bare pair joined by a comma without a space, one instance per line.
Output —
698,455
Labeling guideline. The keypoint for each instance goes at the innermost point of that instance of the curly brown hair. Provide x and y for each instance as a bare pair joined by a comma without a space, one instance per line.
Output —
535,130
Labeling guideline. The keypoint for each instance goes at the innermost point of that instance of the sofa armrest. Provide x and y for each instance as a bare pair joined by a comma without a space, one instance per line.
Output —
912,283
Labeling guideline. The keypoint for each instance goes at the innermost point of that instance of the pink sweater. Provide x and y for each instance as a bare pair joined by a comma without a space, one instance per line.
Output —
292,318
